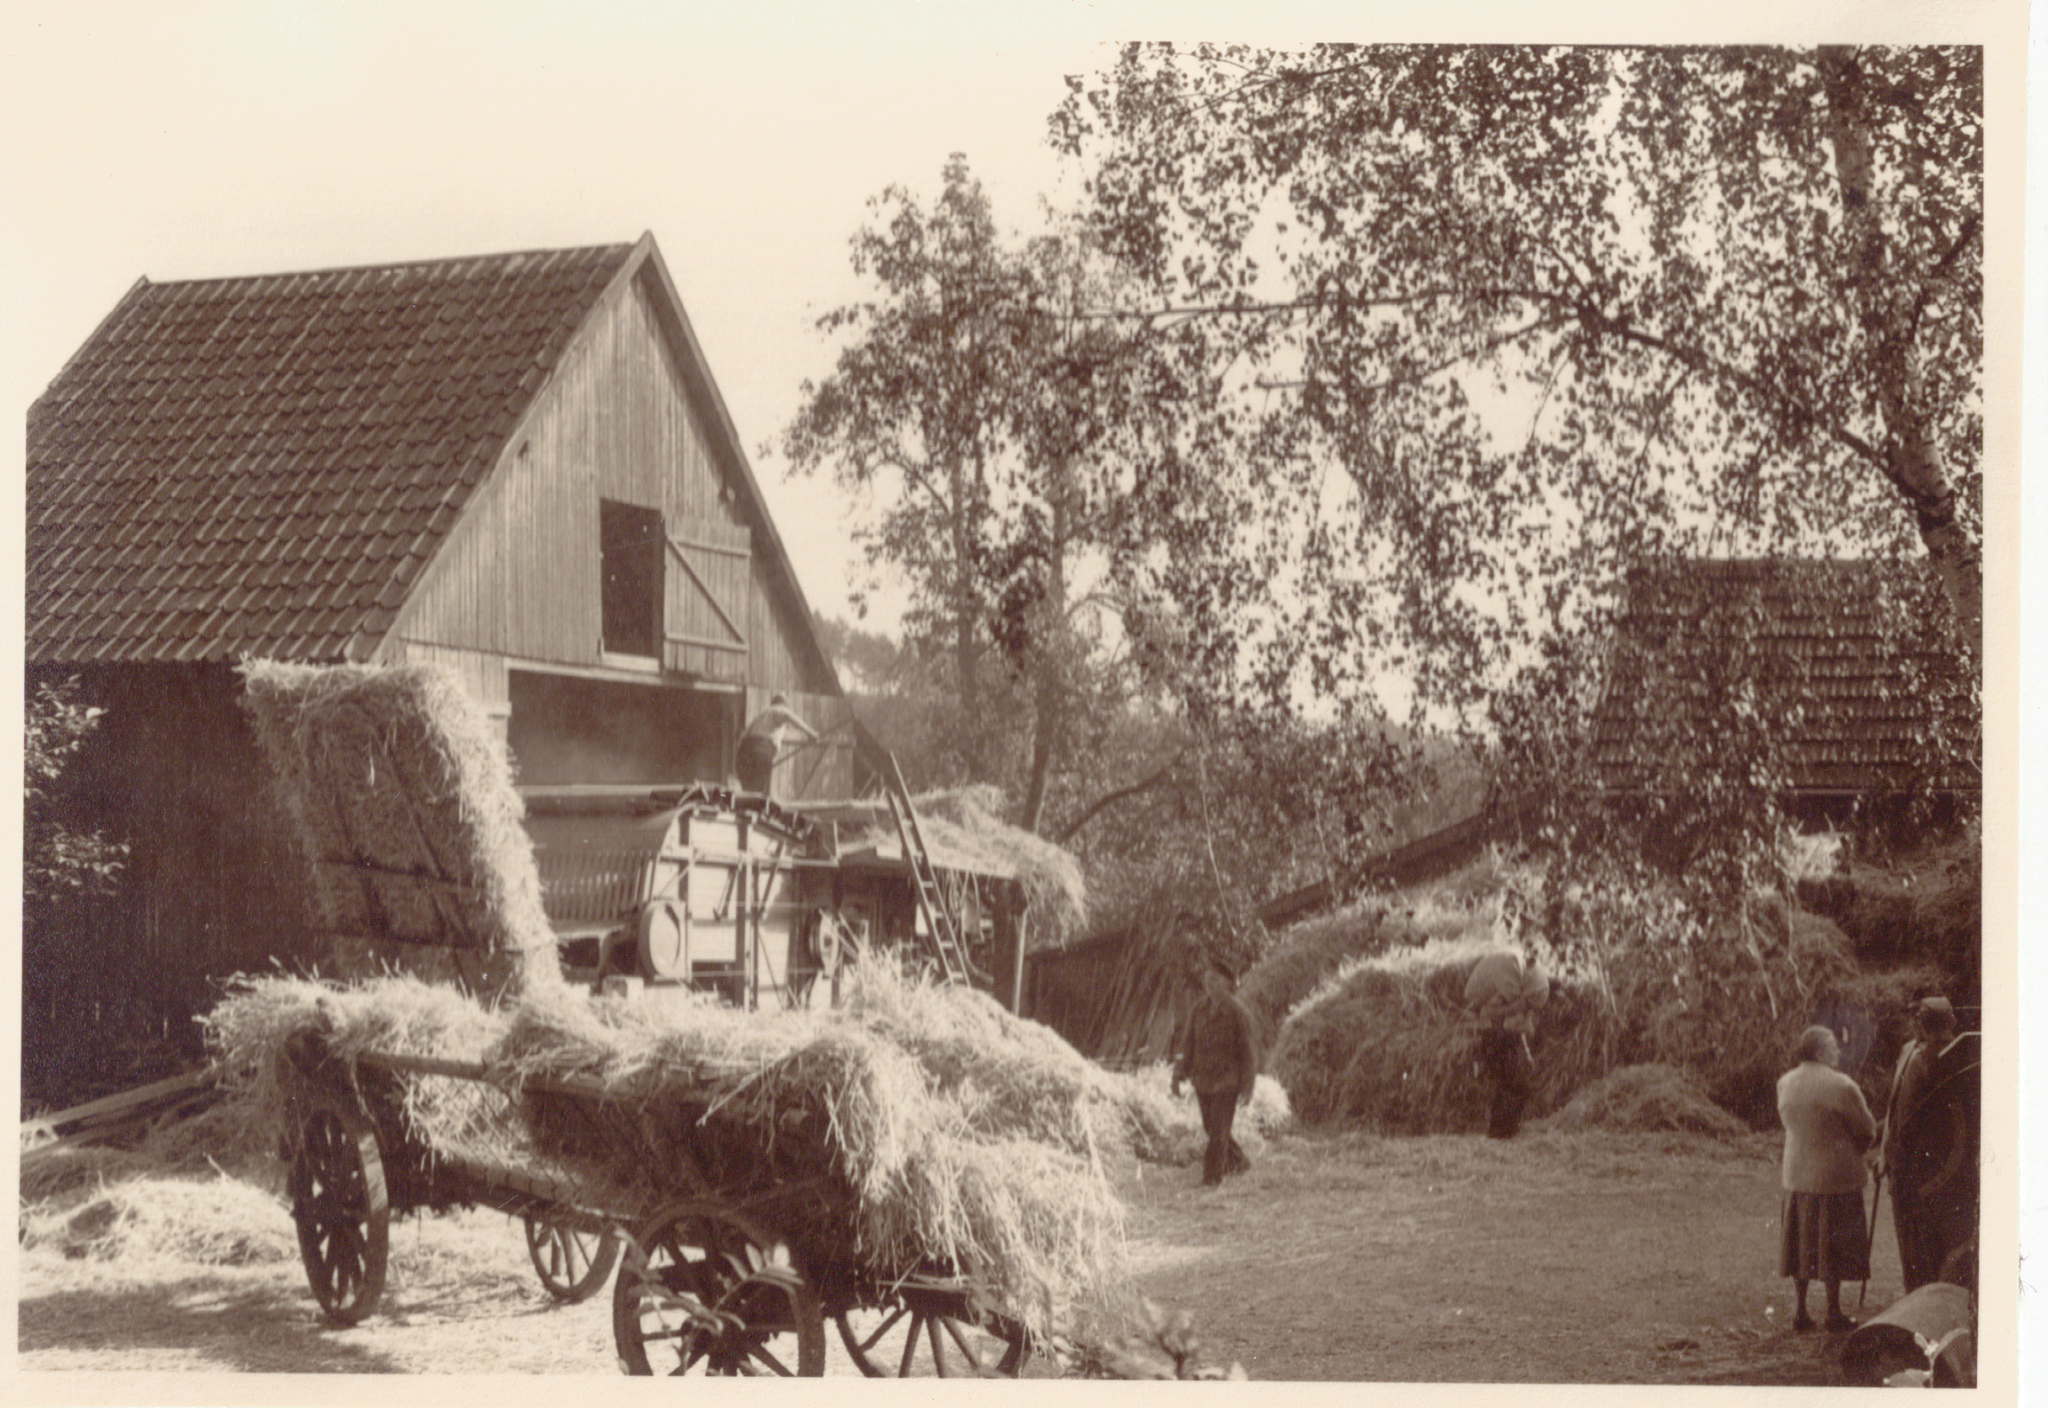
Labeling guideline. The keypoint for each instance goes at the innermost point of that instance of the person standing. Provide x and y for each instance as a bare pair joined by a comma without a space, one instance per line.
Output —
1219,1056
1929,1148
1502,995
762,743
1828,1127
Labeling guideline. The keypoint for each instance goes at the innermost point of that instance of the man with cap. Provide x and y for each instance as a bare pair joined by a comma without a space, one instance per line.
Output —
761,745
1219,1056
1928,1152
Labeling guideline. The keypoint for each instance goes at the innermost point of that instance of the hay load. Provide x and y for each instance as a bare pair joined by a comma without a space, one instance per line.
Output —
939,1130
1312,950
401,793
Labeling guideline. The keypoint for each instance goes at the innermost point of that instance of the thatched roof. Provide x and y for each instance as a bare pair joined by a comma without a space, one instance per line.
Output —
964,834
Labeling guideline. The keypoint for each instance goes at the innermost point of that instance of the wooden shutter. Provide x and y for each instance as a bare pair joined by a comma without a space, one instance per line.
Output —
708,590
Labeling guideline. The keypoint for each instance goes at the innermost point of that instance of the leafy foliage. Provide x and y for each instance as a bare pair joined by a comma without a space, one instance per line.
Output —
1061,491
1206,823
60,862
1556,310
1008,429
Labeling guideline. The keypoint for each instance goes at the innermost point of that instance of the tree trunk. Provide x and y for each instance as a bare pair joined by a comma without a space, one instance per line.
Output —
1049,704
1888,295
966,659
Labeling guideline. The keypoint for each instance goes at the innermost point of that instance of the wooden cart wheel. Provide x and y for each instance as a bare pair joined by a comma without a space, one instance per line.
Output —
705,1291
573,1265
928,1332
343,1213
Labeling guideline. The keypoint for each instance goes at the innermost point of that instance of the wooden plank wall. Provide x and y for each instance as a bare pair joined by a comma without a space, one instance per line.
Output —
215,882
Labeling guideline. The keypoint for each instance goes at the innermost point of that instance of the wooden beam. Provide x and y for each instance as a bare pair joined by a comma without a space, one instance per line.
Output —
704,642
109,1105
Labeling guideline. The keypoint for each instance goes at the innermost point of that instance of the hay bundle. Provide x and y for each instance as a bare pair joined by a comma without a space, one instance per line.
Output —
1648,1098
1384,1042
944,1131
253,1030
1311,951
401,793
952,1133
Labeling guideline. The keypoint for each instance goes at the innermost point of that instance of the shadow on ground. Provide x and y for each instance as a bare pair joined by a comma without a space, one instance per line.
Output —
208,1318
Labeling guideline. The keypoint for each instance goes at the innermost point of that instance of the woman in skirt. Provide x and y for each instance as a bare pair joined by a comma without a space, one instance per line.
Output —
1827,1129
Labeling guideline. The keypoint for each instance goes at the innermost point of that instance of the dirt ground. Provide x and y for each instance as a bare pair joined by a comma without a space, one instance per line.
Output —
1582,1258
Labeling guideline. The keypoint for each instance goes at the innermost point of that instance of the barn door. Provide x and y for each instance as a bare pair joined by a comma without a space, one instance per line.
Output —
709,591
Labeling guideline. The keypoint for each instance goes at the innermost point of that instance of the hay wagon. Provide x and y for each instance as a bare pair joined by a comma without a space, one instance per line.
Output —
737,1239
737,1251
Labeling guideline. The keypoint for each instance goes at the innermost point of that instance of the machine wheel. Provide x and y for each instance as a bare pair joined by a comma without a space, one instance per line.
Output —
921,1332
705,1291
573,1265
343,1213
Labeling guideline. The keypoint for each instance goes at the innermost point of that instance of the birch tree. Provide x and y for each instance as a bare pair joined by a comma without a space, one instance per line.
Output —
1558,310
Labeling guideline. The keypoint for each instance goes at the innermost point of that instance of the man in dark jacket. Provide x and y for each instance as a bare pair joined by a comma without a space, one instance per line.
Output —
1930,1144
1219,1056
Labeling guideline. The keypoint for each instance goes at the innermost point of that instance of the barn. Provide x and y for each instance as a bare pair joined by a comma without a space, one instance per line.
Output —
516,466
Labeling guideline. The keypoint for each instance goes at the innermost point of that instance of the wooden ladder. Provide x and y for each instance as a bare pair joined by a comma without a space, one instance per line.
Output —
940,931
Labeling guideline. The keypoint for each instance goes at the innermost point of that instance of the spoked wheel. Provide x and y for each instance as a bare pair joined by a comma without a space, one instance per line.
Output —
572,1264
343,1213
932,1332
704,1291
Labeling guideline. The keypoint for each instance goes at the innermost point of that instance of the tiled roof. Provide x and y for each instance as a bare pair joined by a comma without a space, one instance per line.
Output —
1841,665
264,466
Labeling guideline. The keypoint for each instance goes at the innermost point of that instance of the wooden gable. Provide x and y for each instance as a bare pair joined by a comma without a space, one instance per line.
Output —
631,420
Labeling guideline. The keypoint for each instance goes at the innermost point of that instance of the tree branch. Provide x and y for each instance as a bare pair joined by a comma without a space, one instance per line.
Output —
1109,799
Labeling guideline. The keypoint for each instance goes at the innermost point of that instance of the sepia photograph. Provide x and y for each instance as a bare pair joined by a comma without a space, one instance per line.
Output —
902,691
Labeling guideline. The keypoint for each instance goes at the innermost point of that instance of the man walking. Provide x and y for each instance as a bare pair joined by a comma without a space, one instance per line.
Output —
1219,1056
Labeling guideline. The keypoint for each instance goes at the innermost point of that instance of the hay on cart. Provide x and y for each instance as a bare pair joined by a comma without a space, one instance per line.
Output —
926,1128
401,793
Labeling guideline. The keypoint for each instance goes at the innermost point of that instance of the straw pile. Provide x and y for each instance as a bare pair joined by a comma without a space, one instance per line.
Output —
401,793
213,1221
1310,951
1383,1043
1645,1099
946,1132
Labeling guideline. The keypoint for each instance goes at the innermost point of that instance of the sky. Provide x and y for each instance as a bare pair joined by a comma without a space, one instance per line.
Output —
222,139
